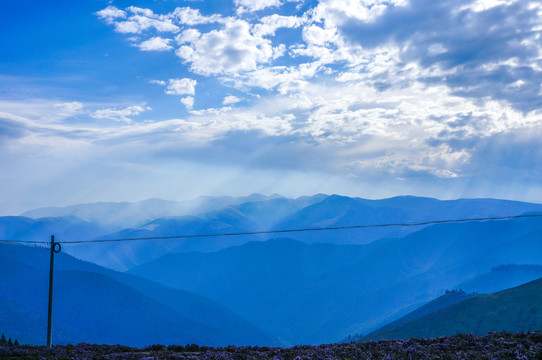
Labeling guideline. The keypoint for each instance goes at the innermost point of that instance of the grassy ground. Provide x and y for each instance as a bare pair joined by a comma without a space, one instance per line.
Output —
492,346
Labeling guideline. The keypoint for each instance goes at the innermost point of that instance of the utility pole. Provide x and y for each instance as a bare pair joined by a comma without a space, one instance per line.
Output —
55,248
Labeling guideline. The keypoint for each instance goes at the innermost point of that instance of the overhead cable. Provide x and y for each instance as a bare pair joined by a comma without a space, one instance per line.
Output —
244,233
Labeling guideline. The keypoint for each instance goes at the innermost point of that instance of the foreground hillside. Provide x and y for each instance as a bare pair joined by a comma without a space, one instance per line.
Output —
313,288
446,300
94,304
515,309
491,346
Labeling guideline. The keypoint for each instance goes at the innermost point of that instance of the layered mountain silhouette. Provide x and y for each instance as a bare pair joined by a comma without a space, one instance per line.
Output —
123,215
94,304
502,277
323,292
309,288
154,218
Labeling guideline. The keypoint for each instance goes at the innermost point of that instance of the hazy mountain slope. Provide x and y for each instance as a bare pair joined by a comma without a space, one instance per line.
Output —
513,310
441,302
365,287
345,211
124,255
327,301
121,215
29,327
427,207
209,322
66,228
267,213
101,310
244,277
397,276
245,217
502,277
154,217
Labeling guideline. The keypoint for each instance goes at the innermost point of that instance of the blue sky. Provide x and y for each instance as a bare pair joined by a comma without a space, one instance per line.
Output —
127,100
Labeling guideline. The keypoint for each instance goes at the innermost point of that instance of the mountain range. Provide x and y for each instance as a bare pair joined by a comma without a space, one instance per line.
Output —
305,293
308,288
95,304
157,218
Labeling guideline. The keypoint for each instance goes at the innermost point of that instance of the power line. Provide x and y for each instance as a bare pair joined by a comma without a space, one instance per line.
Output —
23,242
431,222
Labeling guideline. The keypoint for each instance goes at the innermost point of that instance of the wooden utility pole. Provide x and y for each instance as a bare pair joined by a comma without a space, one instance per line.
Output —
55,248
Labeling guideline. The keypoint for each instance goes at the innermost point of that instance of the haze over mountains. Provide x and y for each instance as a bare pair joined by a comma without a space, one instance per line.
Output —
155,217
322,293
132,214
311,288
95,304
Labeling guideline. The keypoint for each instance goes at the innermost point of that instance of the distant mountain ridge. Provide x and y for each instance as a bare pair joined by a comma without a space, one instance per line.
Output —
121,215
156,217
503,277
336,210
314,287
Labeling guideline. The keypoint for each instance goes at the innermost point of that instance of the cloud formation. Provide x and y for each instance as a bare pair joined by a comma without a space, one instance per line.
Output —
119,114
155,44
255,5
183,86
228,50
374,89
424,79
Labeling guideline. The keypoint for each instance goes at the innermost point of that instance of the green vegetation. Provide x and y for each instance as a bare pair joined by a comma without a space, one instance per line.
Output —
8,342
516,309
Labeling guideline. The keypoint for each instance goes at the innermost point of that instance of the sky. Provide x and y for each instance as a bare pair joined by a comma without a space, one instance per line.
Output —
127,100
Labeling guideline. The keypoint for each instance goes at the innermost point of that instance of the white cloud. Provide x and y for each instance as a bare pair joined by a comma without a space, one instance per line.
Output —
269,24
378,94
155,44
43,111
280,78
110,13
119,115
337,12
483,5
188,35
138,21
229,50
68,109
137,24
158,82
188,101
230,99
182,86
189,16
140,11
255,5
